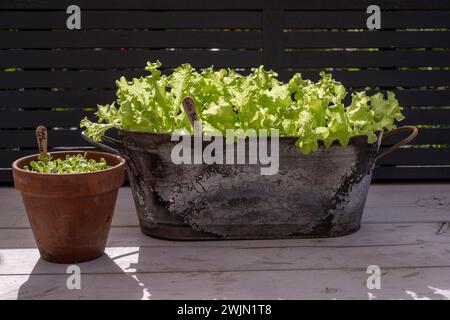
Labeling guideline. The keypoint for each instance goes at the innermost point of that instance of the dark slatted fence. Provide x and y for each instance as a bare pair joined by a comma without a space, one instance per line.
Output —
52,76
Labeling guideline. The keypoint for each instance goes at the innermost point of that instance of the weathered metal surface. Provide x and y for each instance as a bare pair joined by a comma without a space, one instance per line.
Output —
321,194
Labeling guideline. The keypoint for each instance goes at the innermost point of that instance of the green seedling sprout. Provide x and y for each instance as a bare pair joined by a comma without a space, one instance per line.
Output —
70,164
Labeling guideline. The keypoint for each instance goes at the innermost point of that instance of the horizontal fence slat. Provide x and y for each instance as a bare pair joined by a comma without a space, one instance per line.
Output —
6,176
39,20
130,39
7,157
412,116
426,136
82,59
221,39
134,4
65,79
419,97
370,59
380,173
106,79
71,119
225,5
427,116
72,138
233,59
417,173
363,4
27,138
90,98
400,157
383,78
413,156
32,119
55,99
368,39
357,19
404,156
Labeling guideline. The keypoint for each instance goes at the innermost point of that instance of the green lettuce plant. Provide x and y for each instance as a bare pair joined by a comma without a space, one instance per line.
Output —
225,99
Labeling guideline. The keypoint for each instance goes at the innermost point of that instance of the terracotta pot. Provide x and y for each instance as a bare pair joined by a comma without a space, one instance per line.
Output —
70,214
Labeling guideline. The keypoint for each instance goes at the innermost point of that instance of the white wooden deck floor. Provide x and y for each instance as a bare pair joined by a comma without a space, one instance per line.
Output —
405,232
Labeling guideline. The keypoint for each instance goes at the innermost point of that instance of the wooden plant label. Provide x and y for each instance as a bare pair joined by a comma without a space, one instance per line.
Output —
189,108
41,137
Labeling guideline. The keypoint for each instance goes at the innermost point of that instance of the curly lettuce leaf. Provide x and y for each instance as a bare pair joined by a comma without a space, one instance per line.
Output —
313,112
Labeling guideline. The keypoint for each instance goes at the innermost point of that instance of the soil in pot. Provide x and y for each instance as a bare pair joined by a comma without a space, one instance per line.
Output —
70,214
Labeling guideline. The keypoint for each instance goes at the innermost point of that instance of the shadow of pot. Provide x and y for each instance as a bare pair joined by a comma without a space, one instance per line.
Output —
70,214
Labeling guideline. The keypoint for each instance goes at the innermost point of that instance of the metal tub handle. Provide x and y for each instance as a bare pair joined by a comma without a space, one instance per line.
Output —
113,147
414,132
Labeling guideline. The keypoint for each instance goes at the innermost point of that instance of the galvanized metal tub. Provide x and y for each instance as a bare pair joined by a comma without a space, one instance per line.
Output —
321,194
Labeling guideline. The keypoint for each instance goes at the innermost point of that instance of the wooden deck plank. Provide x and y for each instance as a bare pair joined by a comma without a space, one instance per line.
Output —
403,283
225,259
406,215
397,234
388,196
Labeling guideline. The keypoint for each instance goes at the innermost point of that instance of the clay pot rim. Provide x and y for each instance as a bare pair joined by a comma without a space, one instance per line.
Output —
100,153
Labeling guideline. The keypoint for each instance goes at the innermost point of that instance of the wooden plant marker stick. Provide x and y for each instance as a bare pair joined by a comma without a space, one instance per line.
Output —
189,108
41,137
